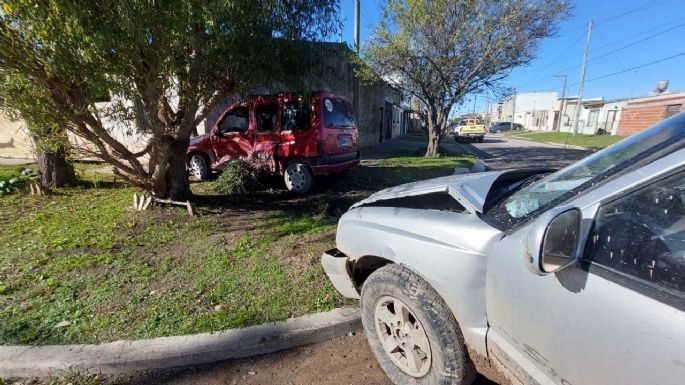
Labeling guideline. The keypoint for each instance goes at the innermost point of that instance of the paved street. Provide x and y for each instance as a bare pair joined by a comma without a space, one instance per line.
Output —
502,152
348,360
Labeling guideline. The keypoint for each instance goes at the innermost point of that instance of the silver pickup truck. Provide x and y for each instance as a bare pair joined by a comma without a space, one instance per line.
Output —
575,277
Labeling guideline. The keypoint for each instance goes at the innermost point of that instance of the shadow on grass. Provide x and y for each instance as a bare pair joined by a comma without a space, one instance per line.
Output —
332,195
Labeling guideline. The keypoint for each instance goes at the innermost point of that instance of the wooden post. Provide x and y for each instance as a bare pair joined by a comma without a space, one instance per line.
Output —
192,210
147,203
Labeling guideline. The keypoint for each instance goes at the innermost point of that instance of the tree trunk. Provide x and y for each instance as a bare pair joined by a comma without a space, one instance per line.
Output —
170,179
54,169
433,147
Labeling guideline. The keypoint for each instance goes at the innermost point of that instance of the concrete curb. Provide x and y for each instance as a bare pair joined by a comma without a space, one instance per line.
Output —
167,352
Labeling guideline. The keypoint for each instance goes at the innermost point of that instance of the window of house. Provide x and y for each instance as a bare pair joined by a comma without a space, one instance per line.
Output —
642,234
235,121
593,116
673,109
266,117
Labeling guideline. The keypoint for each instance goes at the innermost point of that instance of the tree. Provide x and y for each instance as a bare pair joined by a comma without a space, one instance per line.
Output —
439,51
21,100
152,68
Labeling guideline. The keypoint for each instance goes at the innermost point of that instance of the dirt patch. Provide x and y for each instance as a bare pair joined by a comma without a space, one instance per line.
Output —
340,361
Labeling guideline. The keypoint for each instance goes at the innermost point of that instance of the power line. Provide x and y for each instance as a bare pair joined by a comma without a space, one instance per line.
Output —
625,46
364,13
648,4
638,42
640,33
638,67
623,70
645,5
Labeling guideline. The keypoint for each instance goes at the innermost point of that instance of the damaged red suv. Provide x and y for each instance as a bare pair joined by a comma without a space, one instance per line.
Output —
299,137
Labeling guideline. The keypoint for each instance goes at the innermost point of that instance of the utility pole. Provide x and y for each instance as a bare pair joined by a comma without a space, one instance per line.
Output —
355,82
513,113
356,25
561,105
474,103
582,79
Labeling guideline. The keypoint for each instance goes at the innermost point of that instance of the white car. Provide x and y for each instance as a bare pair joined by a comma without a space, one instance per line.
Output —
529,277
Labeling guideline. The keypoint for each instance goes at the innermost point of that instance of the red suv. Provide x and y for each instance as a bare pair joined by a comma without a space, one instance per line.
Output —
299,138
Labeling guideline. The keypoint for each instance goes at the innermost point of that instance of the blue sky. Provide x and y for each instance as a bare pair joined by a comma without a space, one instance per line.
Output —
626,34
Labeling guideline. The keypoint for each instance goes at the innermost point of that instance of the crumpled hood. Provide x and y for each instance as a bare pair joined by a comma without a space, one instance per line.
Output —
470,190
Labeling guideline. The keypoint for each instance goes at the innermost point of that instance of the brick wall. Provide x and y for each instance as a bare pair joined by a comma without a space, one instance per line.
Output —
638,115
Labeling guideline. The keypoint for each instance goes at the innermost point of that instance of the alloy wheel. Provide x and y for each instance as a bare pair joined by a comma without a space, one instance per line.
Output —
403,338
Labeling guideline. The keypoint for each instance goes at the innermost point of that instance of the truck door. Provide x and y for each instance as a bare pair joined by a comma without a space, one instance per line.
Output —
266,130
616,318
297,135
231,138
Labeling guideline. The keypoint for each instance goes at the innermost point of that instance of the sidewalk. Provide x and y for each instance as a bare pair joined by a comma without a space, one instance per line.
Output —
15,161
386,148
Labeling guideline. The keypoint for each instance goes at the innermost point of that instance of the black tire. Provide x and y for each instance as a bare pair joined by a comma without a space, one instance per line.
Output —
199,167
481,139
298,177
449,361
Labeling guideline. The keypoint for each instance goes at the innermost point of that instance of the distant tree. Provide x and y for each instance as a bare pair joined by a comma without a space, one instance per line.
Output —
21,100
161,65
438,51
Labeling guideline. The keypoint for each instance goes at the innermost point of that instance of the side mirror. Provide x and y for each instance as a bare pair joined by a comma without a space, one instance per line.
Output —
553,241
218,133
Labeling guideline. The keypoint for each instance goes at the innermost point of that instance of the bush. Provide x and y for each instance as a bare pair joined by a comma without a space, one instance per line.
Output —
242,176
9,184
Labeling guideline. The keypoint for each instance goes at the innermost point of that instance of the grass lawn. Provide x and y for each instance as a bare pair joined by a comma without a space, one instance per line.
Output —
80,266
596,142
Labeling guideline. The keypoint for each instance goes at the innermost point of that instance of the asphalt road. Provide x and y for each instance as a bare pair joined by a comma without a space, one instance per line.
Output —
348,360
502,152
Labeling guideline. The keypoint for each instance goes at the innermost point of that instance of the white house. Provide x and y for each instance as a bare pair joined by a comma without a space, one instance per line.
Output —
531,109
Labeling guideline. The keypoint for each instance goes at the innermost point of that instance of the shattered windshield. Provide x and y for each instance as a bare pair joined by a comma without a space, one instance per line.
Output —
539,194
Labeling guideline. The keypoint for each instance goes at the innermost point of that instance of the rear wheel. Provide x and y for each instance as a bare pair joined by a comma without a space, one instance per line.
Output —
411,331
481,139
199,167
298,178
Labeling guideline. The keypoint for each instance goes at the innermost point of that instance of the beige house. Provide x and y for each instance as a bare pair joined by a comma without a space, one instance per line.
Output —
14,143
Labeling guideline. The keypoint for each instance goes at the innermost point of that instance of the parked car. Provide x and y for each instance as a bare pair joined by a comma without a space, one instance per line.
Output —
469,130
299,138
505,126
568,277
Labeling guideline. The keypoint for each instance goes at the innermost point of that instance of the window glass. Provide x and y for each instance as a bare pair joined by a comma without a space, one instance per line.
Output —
235,121
337,113
643,234
266,117
537,195
296,116
592,118
673,109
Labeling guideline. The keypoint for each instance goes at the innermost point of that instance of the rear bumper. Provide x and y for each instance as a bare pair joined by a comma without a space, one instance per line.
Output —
324,165
336,265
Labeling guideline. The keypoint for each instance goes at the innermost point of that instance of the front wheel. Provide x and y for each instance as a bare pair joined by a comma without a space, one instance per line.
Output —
411,331
199,167
298,178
